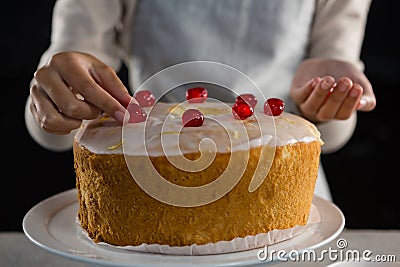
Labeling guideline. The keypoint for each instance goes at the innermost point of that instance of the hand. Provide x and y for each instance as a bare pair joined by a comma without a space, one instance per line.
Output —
72,87
326,89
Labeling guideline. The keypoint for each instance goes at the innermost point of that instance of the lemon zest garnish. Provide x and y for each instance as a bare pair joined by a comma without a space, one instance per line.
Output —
287,119
236,134
251,123
214,111
177,110
170,132
112,131
105,117
115,146
97,125
171,109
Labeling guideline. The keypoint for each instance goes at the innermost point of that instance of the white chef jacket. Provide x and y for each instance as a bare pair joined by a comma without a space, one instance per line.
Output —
265,39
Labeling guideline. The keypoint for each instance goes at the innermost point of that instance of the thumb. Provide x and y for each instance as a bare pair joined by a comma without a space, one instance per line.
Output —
368,100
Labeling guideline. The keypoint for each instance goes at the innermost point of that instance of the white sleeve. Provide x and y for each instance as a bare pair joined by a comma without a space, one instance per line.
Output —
87,26
336,133
338,29
78,25
338,33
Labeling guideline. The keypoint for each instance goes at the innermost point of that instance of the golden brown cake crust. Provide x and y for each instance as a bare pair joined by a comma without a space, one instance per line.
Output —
115,210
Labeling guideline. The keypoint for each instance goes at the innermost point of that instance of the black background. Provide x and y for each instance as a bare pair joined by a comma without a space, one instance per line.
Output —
362,175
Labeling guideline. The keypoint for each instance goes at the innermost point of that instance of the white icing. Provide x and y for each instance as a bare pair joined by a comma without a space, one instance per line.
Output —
162,133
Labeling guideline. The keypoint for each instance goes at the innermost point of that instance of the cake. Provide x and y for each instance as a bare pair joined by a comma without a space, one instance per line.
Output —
269,186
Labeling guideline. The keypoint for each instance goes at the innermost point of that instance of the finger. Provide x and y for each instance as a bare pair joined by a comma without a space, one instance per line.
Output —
36,117
47,115
335,99
92,92
350,103
317,97
368,99
107,78
366,103
63,97
301,94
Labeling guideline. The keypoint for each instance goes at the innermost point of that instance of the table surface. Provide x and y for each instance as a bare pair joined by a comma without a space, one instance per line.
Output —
17,250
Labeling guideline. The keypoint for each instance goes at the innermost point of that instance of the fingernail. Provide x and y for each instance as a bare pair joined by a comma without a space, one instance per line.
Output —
121,117
362,103
342,87
327,83
315,81
355,93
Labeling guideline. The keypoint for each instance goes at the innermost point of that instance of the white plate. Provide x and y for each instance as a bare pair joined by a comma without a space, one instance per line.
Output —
51,224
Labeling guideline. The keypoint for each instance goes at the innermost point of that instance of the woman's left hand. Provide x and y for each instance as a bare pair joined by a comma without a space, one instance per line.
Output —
326,89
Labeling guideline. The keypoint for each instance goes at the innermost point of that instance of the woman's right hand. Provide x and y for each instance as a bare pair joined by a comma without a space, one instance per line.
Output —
74,86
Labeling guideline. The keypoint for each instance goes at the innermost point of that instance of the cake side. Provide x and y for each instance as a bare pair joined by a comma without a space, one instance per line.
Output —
114,209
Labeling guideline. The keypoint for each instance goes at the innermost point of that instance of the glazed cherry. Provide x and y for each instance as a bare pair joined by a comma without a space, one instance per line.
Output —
145,98
192,118
241,110
196,95
137,114
274,106
249,98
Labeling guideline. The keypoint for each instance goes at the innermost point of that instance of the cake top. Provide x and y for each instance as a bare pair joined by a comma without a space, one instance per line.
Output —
162,133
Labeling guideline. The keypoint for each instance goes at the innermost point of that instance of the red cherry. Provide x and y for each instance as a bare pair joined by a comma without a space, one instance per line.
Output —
274,106
145,98
137,114
196,95
249,98
241,110
192,118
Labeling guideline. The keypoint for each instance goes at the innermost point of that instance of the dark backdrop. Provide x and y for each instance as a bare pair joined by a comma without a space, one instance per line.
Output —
362,175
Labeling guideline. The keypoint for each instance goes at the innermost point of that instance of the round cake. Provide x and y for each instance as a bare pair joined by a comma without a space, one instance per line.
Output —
269,165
